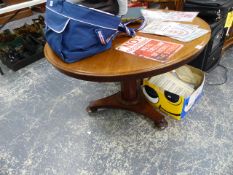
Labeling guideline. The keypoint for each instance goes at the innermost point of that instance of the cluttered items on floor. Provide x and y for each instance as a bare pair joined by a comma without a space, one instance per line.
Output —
23,45
175,92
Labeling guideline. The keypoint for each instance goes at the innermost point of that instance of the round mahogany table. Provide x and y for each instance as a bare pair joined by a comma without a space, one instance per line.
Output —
113,65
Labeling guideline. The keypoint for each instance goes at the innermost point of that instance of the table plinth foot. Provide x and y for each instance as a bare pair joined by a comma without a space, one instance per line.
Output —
140,106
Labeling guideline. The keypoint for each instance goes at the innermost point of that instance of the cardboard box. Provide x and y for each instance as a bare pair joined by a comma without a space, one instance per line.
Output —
169,102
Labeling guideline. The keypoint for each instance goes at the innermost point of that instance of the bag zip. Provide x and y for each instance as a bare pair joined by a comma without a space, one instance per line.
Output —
80,20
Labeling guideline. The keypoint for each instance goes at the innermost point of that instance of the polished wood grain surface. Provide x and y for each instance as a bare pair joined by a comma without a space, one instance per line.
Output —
113,65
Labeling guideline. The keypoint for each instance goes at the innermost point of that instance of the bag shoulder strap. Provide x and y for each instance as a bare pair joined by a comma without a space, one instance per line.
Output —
123,28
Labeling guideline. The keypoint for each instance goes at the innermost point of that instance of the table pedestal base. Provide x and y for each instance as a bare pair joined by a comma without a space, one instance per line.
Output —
130,98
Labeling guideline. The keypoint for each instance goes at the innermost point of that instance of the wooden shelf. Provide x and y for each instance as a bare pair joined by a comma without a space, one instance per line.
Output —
20,5
12,6
22,14
171,4
11,2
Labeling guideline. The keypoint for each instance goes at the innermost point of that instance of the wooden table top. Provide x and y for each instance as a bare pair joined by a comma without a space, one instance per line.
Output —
113,65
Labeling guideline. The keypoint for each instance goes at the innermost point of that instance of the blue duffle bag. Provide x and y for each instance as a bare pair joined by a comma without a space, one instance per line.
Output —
75,32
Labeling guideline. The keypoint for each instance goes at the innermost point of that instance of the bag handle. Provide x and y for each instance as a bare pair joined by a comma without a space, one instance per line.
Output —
123,27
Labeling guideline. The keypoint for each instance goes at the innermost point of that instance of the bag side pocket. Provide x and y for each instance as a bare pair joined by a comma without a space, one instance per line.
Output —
81,40
55,27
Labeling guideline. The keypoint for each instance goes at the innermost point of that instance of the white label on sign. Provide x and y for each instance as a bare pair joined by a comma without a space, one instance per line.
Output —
51,3
199,47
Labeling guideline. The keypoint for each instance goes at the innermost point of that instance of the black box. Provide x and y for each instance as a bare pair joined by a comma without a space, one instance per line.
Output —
214,12
205,61
209,9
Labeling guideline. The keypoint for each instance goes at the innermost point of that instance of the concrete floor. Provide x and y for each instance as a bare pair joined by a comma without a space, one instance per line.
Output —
45,129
